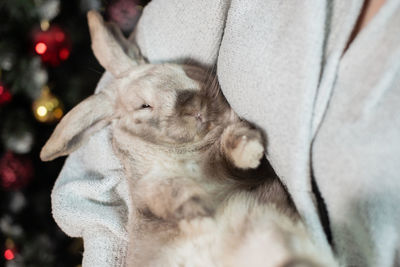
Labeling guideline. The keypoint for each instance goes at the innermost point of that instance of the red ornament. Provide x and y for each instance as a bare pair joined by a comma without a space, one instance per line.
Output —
15,171
9,254
5,95
52,45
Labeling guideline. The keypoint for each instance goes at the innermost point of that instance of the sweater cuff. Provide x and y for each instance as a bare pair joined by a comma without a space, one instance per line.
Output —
103,249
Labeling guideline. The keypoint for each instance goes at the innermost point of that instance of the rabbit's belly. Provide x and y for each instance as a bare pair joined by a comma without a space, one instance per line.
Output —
170,166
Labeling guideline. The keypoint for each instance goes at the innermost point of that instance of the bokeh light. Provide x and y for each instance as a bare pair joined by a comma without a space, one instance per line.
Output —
41,48
41,111
9,254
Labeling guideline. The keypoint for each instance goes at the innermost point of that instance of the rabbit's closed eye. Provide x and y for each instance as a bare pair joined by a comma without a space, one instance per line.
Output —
144,106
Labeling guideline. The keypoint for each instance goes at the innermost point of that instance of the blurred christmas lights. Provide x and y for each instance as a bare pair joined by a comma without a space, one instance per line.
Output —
40,48
47,108
16,171
16,132
5,95
9,254
52,45
44,25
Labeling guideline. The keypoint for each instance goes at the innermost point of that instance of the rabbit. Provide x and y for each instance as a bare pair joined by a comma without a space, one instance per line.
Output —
202,191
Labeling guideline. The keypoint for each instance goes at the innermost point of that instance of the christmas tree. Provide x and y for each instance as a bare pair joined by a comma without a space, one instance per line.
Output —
46,68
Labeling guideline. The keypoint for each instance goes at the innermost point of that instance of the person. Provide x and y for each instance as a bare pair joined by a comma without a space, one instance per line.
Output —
321,78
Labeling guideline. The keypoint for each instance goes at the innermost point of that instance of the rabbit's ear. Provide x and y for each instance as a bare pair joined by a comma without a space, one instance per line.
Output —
88,117
108,45
128,45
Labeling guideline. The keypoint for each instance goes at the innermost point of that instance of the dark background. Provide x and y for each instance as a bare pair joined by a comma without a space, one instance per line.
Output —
37,86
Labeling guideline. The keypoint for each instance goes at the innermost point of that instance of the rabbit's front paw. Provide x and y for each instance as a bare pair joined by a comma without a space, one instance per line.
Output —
247,153
243,145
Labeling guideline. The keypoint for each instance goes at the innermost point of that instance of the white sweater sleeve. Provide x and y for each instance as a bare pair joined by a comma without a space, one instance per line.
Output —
90,200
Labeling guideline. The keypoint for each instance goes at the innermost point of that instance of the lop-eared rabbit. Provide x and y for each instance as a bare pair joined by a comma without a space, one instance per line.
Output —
200,188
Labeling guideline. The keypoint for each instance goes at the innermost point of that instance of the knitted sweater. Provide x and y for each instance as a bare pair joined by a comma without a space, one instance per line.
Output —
331,117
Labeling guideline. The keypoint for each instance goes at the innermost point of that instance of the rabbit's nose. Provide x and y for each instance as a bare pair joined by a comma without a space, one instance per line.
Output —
199,117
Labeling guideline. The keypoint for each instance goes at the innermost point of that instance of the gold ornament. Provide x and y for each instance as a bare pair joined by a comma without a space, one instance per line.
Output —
47,108
44,25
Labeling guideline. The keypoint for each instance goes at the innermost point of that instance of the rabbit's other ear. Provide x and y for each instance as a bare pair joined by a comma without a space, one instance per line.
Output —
108,45
88,117
128,45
